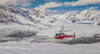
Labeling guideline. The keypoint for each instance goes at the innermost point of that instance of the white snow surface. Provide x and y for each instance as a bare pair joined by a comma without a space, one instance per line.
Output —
48,48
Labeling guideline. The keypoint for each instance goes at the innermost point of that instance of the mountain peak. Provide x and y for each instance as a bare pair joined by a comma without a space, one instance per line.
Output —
37,13
86,12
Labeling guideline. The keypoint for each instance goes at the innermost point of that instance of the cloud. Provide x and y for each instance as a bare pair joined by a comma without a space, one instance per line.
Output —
49,5
91,8
82,2
95,11
15,2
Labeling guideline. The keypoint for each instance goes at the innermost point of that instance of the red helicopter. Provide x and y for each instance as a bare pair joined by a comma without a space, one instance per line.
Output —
62,36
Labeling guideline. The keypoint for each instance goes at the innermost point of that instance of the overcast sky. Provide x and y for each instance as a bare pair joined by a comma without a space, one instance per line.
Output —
55,6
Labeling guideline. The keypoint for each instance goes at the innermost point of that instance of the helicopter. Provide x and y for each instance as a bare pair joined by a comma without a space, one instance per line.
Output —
62,35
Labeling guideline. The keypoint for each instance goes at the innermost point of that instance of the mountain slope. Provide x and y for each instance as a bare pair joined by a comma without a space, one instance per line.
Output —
40,16
13,14
86,16
15,23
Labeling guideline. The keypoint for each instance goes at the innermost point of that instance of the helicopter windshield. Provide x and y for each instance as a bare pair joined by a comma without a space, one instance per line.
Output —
60,34
57,35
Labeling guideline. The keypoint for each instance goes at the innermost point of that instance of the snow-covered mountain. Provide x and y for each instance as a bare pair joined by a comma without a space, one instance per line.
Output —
40,16
37,13
86,16
14,22
12,14
90,16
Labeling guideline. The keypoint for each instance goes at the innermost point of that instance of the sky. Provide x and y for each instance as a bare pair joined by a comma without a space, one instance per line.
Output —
55,6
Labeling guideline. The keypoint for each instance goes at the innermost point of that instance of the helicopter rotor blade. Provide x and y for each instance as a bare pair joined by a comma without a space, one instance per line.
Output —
67,31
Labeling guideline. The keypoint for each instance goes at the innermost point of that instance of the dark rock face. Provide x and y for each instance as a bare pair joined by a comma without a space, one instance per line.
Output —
98,23
21,34
5,17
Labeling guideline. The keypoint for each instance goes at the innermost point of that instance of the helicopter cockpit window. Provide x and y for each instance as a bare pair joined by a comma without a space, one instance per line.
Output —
57,35
62,34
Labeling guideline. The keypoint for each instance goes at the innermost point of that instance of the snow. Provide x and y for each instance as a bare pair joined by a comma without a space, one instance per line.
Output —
22,22
87,16
48,48
47,25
